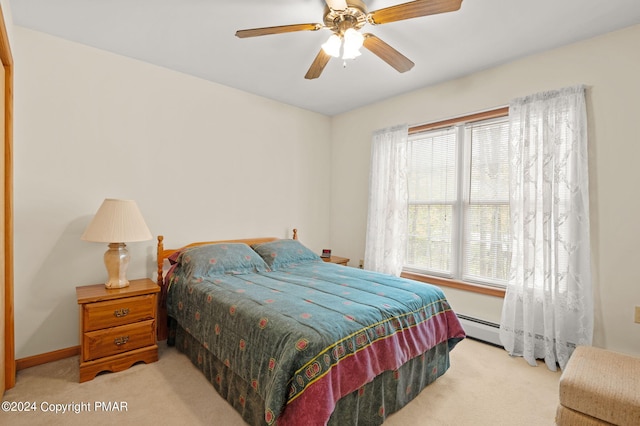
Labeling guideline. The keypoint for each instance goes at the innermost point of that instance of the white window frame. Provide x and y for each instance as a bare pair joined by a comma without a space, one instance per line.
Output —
463,157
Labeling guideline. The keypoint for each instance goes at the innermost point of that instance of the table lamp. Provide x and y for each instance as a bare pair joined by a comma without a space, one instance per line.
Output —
117,222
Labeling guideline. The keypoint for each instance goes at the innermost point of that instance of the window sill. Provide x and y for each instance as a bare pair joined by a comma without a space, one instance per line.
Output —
443,282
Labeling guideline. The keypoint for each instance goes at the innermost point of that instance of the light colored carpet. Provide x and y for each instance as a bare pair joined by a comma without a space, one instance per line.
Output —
484,386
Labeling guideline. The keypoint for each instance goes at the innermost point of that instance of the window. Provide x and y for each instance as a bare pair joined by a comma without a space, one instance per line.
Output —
458,212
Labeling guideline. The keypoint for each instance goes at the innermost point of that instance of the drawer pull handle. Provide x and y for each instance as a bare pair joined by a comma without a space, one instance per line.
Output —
119,341
119,313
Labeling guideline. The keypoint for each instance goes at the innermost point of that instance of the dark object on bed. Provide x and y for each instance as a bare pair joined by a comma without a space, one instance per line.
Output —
285,337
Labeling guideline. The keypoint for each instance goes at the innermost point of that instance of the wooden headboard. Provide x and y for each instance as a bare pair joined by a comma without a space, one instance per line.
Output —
163,253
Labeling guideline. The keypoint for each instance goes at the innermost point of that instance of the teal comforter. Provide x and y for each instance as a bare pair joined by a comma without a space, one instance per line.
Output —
310,333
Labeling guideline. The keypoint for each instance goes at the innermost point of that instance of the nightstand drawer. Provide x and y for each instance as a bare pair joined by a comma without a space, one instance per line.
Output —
115,340
112,313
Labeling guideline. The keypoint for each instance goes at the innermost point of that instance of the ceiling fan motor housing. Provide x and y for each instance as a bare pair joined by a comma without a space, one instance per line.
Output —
354,16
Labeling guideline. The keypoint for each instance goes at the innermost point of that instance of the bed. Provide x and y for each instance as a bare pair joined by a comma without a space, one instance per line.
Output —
288,339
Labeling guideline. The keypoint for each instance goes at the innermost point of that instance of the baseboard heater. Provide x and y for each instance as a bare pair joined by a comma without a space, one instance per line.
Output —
481,330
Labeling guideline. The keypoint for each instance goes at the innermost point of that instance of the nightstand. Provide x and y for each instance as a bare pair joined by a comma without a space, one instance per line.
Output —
336,259
117,326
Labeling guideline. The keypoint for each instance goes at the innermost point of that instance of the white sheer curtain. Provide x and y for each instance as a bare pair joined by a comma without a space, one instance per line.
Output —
388,196
548,308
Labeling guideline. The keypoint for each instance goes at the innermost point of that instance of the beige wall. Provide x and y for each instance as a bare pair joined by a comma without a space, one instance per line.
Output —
610,66
203,161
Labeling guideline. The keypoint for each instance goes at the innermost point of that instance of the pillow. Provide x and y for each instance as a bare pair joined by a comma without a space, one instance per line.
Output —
282,253
220,258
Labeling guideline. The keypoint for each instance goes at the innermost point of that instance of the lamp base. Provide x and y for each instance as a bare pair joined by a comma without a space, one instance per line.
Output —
116,259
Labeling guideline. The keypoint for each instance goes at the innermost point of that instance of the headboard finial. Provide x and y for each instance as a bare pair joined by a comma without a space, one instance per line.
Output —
295,234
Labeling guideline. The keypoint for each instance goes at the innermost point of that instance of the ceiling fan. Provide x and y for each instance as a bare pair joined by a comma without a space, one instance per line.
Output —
344,18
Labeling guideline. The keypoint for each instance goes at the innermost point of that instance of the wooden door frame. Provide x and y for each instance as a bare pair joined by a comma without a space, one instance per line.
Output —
9,346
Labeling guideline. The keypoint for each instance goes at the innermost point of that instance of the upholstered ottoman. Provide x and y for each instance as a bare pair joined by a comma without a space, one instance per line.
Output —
599,387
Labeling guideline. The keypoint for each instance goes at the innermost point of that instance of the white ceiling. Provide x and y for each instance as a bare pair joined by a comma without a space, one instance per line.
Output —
197,37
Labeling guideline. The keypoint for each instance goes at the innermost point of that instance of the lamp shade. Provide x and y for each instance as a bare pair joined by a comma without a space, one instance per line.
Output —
353,41
117,221
332,46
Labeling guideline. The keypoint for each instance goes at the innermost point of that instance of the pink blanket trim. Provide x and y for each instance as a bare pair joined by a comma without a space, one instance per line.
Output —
315,405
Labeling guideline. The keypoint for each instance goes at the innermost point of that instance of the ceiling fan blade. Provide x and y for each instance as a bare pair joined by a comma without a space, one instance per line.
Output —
413,9
321,61
254,32
337,4
387,53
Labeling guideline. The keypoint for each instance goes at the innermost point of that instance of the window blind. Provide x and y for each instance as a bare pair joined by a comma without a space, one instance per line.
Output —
432,187
487,237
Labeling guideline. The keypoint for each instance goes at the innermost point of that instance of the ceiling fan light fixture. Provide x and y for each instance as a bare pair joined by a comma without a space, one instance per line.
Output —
345,18
353,41
350,54
332,46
